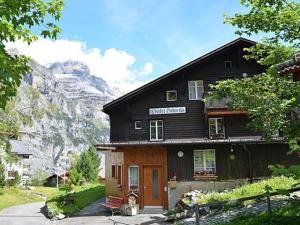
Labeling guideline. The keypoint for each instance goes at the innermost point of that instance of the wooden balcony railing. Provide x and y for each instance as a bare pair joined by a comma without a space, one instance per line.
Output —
214,107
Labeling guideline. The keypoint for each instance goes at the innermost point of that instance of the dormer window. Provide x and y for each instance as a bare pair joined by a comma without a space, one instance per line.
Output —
171,95
228,64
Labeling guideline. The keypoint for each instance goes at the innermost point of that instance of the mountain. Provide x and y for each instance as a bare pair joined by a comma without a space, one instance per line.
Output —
65,104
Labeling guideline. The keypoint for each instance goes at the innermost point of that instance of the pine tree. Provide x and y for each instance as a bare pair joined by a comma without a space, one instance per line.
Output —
88,164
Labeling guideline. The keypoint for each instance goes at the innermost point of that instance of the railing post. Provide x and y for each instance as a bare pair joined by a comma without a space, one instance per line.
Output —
197,216
269,206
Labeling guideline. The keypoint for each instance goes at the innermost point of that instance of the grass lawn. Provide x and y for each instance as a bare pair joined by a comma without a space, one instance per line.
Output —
248,190
289,214
14,196
83,196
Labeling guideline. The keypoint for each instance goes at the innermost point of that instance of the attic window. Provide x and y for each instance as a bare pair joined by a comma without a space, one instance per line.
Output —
171,95
228,64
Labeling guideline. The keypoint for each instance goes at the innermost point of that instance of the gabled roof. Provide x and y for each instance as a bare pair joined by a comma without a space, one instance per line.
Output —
173,72
18,148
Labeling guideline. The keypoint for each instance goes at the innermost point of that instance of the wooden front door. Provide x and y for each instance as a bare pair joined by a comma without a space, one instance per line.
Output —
153,189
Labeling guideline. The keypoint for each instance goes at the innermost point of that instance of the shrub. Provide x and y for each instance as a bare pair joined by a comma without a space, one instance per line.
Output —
14,182
39,178
2,175
291,171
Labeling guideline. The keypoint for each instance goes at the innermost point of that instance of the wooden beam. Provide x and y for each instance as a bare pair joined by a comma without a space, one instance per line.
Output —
225,113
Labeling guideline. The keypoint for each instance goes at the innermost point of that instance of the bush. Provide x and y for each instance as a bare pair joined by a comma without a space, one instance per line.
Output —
14,182
75,177
39,178
2,175
291,171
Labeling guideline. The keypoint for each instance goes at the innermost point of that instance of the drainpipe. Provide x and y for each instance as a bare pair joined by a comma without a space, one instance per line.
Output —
250,168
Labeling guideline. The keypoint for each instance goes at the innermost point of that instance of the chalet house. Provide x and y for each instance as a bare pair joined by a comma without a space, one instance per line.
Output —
165,140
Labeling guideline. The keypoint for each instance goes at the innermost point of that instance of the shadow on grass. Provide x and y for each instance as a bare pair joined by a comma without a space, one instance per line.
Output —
81,198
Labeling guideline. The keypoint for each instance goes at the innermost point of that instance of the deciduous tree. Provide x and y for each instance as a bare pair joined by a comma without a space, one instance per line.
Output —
269,99
18,21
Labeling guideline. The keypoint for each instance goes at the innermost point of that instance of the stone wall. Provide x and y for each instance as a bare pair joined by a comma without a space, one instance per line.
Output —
182,187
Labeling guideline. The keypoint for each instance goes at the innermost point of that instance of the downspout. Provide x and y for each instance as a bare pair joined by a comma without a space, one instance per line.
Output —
250,168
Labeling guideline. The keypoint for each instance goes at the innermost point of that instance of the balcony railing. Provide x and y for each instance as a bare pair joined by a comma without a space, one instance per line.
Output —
212,103
215,107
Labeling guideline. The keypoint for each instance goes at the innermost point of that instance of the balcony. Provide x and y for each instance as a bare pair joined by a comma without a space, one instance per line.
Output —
214,107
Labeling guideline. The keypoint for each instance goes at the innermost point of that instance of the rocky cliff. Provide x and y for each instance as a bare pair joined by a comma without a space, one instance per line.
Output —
64,102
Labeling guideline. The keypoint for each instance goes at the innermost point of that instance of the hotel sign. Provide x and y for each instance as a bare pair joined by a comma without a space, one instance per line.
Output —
169,110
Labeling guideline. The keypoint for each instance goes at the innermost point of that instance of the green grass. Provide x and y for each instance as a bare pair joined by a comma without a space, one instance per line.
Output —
14,196
289,214
83,196
247,190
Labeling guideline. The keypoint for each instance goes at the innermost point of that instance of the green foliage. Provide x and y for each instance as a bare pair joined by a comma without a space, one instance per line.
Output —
39,178
2,174
84,195
248,190
75,177
268,98
11,196
290,171
277,18
88,164
18,19
14,182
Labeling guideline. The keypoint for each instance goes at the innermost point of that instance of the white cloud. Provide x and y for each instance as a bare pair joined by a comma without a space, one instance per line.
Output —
113,65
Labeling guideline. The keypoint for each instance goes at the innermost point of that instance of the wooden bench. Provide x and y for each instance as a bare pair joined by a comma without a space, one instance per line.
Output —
114,204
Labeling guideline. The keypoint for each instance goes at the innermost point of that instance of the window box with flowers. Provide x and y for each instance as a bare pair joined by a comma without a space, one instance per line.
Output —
205,165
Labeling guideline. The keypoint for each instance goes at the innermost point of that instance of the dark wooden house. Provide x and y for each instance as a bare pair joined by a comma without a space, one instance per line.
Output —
165,140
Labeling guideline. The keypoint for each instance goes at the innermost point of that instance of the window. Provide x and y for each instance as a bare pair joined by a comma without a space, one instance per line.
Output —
119,174
204,162
196,90
171,96
156,130
133,178
216,127
113,171
138,125
228,64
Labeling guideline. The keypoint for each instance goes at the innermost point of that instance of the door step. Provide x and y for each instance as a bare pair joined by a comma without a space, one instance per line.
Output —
152,210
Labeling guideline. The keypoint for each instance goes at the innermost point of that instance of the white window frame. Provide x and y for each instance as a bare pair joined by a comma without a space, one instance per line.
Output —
204,159
169,100
216,125
156,130
138,175
136,127
194,84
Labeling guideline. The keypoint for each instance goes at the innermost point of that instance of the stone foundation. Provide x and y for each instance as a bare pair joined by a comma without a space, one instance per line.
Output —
181,187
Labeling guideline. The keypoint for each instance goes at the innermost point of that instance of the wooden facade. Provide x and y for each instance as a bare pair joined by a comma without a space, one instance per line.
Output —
239,153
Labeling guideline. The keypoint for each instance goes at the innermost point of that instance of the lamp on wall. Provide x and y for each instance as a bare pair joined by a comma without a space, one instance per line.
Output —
232,155
180,154
245,75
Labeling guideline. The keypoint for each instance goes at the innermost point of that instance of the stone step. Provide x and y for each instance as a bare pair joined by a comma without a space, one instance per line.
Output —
151,210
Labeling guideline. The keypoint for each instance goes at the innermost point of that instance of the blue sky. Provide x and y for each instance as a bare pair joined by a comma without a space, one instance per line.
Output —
130,42
167,33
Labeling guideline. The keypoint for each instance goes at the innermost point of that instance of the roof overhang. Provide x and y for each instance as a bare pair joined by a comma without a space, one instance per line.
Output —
191,141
